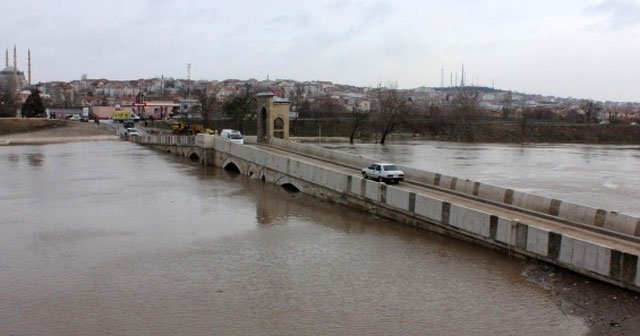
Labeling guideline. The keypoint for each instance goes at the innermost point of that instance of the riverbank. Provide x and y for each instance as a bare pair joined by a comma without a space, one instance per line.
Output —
484,131
17,131
605,309
497,132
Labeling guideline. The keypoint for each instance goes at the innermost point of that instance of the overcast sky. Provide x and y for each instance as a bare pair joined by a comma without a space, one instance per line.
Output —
576,48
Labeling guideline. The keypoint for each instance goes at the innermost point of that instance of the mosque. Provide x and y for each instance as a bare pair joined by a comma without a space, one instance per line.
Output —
11,75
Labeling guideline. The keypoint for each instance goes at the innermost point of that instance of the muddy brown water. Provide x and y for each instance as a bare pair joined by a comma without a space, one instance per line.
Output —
111,238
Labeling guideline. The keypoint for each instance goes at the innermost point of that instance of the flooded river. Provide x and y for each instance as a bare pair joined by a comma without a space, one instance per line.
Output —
111,238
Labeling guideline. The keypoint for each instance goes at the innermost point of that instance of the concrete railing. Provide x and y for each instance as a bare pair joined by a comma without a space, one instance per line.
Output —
166,140
606,219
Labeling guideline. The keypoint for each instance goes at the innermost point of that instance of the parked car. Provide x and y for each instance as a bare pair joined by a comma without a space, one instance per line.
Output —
386,172
233,136
131,132
75,117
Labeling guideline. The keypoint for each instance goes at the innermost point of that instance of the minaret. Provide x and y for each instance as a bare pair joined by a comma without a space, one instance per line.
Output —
462,77
29,66
6,58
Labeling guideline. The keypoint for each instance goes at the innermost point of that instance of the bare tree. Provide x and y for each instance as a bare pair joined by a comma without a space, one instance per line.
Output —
507,102
358,119
465,109
300,104
390,112
326,108
208,98
240,106
524,122
8,99
591,109
328,111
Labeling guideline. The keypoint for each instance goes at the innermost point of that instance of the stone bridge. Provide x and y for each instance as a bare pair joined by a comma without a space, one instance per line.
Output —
597,243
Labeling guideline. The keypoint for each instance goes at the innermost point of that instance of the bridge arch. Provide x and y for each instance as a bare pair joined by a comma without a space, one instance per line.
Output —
290,187
230,165
289,184
193,156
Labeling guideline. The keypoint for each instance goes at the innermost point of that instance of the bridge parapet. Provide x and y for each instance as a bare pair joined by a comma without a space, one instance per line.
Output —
165,140
605,219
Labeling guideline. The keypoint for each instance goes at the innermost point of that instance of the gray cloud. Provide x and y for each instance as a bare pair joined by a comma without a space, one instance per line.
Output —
358,42
616,14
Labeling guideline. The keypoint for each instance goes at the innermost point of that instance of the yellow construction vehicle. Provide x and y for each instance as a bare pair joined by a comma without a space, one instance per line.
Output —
182,128
121,116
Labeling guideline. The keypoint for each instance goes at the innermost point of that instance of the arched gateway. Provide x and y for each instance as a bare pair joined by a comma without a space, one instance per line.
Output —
273,117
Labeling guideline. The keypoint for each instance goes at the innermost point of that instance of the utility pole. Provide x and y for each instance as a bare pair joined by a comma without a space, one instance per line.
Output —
188,80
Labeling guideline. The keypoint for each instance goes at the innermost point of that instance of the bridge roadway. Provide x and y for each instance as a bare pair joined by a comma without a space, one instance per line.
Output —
613,240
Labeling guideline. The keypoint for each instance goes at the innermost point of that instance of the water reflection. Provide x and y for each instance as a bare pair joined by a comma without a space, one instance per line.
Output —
36,159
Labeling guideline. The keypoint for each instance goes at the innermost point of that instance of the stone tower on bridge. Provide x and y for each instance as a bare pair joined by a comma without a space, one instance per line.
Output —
273,117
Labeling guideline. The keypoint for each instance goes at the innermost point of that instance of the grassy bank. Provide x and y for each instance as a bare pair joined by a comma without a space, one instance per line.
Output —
545,133
497,132
19,125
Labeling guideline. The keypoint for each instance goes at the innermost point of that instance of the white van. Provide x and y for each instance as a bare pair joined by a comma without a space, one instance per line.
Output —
233,136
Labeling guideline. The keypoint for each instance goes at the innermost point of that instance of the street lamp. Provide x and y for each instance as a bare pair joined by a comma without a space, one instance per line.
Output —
319,133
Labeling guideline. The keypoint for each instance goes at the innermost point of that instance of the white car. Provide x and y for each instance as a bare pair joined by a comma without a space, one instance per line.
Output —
131,132
233,136
386,172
